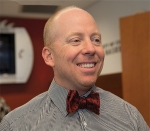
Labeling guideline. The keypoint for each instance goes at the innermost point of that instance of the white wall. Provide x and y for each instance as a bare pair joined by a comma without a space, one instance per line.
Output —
107,15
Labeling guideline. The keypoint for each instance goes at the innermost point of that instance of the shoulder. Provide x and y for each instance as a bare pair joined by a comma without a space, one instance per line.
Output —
32,106
114,107
113,103
111,99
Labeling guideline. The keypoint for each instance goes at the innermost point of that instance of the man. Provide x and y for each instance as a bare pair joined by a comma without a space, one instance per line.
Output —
74,50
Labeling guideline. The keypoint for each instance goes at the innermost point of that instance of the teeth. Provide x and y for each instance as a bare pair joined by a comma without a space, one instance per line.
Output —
86,65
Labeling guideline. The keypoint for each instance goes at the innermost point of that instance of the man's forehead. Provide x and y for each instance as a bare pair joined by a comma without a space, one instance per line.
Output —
73,13
67,11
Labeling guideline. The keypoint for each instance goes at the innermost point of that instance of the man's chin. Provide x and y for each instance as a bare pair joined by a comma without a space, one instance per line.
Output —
88,84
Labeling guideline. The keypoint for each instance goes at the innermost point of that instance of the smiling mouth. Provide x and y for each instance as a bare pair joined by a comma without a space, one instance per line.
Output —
86,65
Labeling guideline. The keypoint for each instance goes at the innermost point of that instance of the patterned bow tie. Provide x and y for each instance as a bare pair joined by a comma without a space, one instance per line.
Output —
75,102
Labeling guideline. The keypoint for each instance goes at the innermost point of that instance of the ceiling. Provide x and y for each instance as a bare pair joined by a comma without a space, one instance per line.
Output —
80,3
38,8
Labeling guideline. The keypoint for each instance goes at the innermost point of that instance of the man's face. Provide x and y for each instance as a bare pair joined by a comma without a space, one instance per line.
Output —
77,51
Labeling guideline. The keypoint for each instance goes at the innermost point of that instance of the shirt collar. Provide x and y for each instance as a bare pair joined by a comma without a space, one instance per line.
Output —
59,94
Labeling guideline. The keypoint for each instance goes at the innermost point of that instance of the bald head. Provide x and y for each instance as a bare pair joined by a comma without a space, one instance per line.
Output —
52,26
72,43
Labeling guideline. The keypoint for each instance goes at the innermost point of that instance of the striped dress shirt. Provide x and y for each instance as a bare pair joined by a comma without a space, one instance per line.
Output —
47,112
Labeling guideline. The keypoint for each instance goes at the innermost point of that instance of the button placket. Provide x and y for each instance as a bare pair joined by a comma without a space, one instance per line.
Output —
82,119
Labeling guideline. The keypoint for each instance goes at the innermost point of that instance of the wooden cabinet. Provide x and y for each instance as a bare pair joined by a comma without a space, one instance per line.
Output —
135,48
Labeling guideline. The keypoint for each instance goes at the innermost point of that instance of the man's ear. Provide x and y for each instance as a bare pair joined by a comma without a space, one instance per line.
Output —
47,56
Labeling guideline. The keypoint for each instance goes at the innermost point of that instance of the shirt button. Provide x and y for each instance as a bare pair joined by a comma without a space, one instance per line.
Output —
84,123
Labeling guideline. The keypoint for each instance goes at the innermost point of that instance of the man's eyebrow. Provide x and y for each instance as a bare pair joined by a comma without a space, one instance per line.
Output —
81,34
96,33
75,33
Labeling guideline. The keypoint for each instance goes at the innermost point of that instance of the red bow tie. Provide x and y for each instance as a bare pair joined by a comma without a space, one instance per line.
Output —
75,102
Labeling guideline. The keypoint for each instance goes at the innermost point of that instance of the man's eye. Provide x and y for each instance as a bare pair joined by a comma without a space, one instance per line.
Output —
96,41
75,41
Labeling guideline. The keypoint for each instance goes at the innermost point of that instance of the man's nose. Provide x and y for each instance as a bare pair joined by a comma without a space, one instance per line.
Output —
88,48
